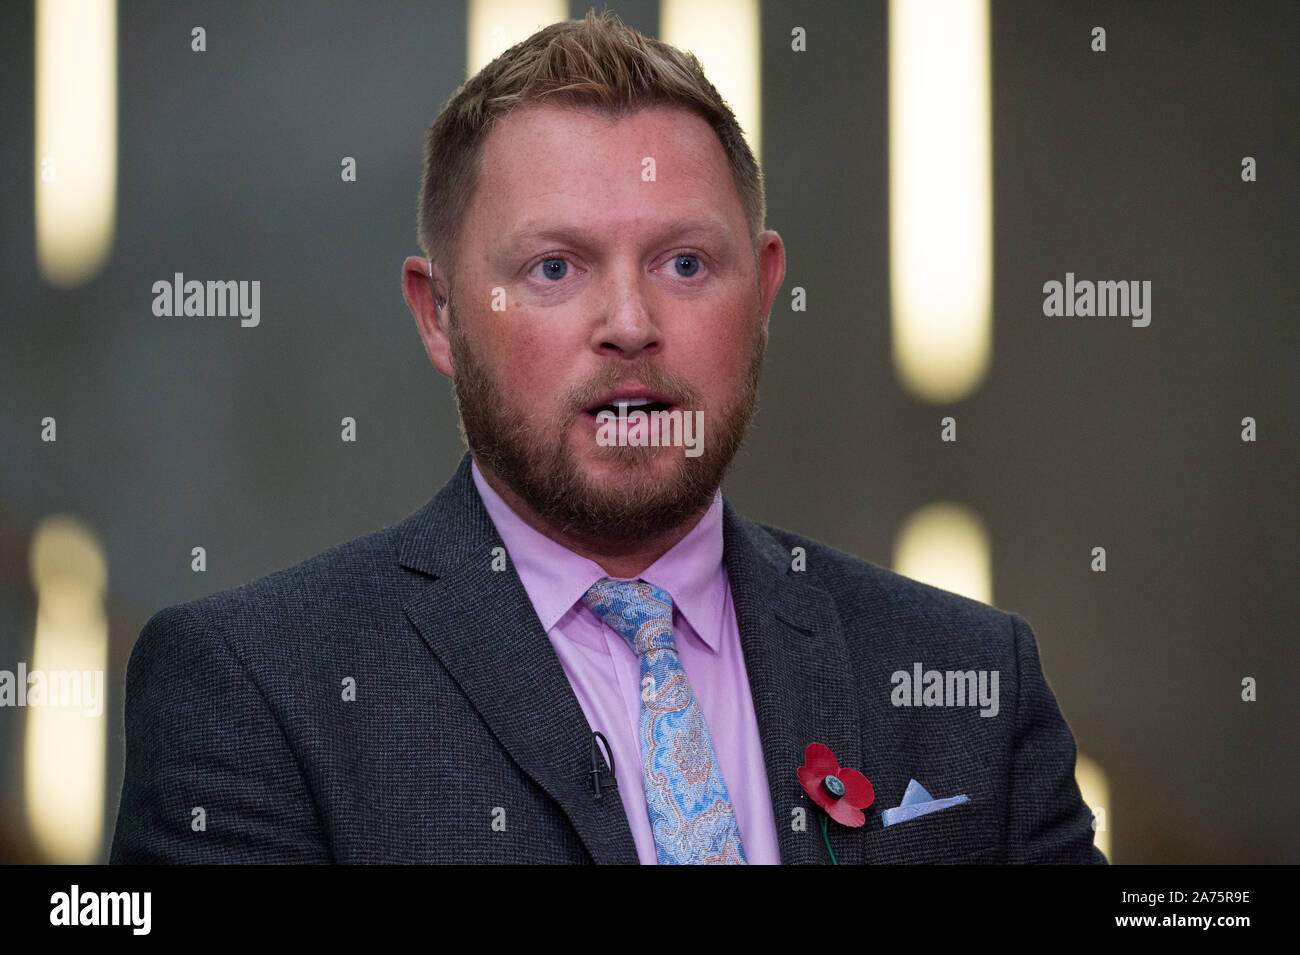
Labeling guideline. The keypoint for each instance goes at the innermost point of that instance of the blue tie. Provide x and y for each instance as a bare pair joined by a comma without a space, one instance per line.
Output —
690,811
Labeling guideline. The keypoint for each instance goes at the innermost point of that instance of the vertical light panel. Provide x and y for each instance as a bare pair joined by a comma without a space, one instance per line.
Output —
76,137
723,35
945,545
1095,788
63,765
940,195
496,25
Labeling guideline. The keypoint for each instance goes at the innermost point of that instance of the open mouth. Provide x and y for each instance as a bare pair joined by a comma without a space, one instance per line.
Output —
625,406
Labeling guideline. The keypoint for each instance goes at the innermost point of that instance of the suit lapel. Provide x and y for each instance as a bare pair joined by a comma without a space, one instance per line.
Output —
800,680
482,627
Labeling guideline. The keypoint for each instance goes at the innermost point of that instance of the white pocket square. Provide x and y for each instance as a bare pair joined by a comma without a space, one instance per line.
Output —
918,802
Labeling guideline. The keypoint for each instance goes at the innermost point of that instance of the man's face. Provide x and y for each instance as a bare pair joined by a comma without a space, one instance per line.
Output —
619,262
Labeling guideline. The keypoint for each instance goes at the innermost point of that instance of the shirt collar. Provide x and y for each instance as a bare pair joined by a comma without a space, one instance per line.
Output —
556,578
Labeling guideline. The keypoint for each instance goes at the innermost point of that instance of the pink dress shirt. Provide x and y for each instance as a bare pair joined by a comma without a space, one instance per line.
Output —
605,674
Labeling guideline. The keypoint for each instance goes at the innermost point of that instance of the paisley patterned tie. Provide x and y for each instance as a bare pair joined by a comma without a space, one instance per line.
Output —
690,811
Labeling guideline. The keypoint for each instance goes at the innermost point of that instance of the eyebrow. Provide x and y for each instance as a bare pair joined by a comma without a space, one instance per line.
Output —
579,237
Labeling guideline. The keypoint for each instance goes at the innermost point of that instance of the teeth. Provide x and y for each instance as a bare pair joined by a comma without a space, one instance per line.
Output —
631,402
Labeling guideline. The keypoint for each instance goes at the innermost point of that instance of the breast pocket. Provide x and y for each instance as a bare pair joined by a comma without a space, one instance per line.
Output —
967,832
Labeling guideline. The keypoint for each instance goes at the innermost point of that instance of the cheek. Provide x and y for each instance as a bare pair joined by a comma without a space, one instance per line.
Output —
717,363
529,361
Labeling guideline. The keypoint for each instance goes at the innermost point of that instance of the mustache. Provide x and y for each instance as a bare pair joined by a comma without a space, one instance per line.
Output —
674,387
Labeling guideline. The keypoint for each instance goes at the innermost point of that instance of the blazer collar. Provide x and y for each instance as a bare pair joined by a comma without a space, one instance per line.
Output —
799,678
794,650
482,628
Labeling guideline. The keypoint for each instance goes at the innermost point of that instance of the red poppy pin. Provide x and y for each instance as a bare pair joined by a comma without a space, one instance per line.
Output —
843,793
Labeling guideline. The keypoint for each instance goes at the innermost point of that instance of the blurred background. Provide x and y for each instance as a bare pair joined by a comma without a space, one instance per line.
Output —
929,165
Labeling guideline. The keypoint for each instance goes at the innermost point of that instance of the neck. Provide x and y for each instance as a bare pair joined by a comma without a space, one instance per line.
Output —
616,558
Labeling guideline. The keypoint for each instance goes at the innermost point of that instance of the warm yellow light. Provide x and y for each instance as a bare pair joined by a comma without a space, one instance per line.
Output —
63,767
946,545
76,137
1095,787
940,195
496,25
723,35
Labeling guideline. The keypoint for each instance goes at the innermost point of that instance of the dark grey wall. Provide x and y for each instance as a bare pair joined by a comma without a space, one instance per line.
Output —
1122,165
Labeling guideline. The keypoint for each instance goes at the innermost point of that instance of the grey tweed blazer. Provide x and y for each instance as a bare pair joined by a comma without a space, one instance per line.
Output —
466,744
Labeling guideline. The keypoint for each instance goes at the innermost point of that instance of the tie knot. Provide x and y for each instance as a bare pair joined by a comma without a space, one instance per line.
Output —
639,612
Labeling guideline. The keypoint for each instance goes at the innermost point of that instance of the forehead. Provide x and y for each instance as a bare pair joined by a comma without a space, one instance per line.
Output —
544,161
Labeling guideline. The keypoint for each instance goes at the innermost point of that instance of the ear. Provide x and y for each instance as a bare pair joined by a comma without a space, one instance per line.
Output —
421,282
771,271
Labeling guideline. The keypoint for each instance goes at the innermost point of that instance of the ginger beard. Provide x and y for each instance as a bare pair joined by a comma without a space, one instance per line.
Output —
634,501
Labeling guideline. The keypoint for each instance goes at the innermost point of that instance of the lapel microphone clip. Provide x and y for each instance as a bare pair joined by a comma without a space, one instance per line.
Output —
598,768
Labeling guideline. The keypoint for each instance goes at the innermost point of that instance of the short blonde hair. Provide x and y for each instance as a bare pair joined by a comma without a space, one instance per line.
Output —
597,63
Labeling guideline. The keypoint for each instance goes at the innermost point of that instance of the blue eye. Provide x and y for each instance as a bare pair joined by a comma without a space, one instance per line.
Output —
693,265
550,272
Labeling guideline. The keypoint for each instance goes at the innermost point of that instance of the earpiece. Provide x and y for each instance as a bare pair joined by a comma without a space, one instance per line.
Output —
436,304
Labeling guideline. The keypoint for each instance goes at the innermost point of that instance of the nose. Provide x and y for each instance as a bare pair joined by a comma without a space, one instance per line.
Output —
627,328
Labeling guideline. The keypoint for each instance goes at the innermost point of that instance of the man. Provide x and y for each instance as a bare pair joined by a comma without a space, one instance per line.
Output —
592,223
